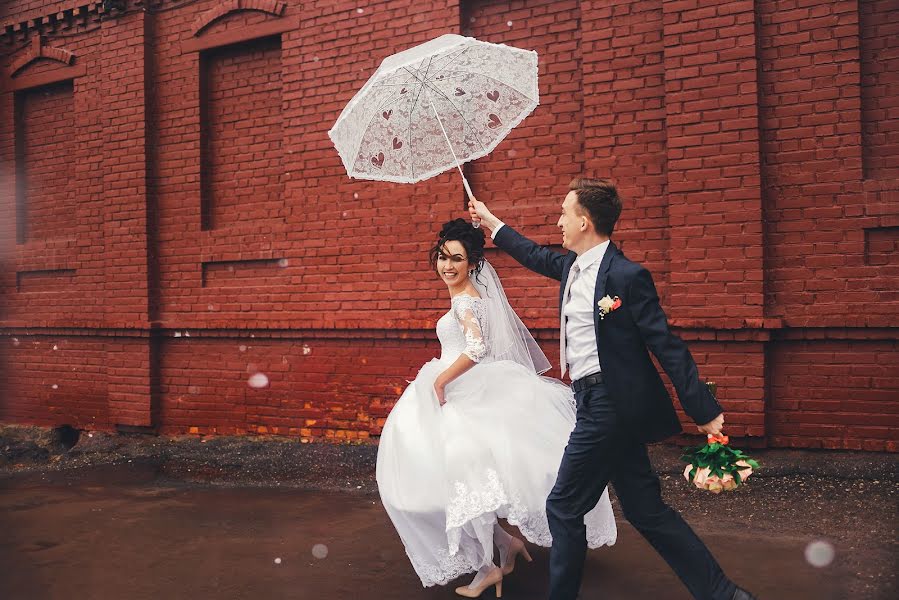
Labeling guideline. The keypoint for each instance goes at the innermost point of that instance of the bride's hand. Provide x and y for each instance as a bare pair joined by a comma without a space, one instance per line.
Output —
439,389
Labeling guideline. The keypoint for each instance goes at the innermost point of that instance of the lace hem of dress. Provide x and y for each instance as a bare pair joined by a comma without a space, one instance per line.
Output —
448,567
466,505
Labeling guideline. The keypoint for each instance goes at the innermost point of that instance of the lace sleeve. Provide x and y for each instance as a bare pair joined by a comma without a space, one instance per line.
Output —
470,314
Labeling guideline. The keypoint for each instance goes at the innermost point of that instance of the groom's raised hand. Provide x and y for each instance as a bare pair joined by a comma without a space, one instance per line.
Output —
479,212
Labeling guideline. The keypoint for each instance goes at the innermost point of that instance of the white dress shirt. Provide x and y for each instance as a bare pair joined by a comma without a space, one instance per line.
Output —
580,332
582,354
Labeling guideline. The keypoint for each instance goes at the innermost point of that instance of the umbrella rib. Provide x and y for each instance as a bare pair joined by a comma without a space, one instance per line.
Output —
463,51
374,116
502,83
452,59
389,101
412,110
461,114
418,72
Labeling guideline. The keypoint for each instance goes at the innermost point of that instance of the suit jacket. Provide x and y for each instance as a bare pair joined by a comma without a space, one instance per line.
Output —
622,338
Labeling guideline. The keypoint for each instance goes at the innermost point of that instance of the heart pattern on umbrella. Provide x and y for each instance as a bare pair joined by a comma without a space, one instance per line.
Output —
493,121
397,143
494,95
378,160
460,92
386,114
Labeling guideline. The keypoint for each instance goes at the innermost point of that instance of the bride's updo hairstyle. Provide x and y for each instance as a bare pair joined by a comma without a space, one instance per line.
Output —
472,240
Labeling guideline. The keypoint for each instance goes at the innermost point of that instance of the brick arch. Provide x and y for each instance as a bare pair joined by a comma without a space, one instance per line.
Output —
38,51
272,7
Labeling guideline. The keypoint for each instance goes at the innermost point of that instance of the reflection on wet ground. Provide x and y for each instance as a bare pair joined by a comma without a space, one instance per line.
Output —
126,532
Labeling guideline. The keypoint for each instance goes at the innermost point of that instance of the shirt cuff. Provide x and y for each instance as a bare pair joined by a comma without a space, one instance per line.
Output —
498,227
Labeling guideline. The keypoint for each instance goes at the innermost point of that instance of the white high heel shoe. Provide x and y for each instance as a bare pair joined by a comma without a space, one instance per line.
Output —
516,547
495,577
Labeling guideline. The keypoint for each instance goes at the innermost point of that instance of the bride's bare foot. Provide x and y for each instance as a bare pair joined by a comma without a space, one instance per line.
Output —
493,577
516,547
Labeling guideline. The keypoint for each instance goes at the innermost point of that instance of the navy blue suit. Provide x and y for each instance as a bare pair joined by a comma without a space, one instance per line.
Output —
616,418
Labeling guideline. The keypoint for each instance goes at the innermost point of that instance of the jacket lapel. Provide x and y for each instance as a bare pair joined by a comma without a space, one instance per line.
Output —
601,277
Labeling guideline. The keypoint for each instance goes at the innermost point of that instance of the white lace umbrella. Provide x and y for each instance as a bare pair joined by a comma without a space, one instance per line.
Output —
433,107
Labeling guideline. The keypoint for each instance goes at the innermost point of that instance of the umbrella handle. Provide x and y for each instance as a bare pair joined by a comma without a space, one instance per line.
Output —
474,223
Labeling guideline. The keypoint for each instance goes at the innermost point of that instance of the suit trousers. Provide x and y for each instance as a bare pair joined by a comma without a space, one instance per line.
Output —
601,451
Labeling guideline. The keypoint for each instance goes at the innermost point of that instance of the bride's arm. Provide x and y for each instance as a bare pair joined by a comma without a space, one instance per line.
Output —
462,364
475,348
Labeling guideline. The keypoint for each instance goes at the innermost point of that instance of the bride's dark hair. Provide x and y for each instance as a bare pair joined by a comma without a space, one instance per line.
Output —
460,230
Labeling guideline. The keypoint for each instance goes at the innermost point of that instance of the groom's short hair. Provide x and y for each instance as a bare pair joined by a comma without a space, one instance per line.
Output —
599,198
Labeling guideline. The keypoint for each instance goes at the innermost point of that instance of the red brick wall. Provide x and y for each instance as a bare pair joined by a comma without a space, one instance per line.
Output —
241,167
54,379
879,25
316,388
834,394
45,119
188,222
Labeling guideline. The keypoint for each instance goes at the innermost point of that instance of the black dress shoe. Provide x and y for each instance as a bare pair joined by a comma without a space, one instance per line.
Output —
741,594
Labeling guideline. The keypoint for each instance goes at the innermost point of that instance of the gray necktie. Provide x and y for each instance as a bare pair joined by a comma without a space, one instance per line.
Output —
572,275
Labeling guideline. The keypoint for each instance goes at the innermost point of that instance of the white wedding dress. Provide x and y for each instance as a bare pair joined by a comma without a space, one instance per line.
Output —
445,474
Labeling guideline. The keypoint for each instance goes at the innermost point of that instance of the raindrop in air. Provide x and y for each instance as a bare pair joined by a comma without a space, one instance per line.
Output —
819,553
258,380
319,551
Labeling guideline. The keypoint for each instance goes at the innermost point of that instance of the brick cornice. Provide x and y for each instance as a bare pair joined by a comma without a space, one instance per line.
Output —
272,7
38,50
76,16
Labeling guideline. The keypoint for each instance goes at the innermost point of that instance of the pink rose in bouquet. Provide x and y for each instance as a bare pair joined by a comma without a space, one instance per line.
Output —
699,478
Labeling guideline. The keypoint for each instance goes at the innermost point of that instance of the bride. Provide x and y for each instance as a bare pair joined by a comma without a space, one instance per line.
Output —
478,435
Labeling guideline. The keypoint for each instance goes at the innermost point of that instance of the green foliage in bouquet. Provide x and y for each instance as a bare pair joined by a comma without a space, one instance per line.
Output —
719,458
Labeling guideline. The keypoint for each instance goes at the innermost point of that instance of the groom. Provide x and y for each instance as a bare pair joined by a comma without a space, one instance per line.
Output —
609,316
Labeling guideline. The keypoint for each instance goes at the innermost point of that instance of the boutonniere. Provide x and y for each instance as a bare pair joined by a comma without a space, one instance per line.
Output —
607,305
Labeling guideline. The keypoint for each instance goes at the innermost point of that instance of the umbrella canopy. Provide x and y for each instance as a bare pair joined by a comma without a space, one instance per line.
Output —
432,107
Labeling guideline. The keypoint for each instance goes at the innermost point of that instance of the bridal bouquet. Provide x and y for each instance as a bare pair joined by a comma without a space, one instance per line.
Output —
716,466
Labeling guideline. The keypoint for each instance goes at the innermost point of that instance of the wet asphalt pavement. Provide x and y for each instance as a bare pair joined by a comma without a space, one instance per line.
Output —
132,517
